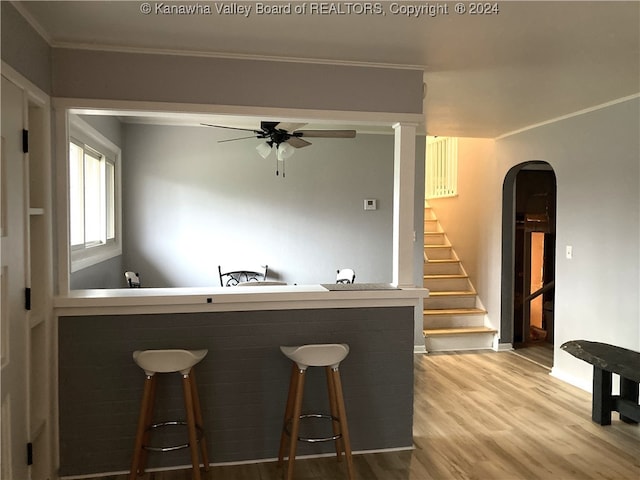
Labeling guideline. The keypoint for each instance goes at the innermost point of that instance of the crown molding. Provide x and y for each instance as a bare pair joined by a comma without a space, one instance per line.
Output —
33,22
231,56
569,115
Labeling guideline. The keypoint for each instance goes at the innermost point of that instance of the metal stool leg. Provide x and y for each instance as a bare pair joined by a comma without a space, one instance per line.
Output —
191,424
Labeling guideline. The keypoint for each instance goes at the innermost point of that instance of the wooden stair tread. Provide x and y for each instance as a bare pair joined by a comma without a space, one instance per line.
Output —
458,331
442,276
442,260
454,311
453,293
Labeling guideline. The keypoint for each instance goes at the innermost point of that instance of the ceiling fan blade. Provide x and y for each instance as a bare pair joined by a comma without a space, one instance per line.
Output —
268,126
325,133
232,128
289,126
298,142
234,139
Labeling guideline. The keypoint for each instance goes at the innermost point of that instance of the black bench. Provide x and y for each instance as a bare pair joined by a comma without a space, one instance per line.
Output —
607,359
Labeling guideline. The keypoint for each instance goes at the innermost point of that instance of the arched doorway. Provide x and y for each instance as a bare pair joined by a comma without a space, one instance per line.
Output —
528,260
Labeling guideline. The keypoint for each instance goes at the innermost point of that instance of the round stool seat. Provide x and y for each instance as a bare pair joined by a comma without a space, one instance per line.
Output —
317,355
168,361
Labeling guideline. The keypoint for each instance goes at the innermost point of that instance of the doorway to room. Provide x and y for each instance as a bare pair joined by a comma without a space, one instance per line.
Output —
529,250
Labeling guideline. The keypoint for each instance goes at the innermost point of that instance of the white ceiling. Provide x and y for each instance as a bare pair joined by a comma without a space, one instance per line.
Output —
486,75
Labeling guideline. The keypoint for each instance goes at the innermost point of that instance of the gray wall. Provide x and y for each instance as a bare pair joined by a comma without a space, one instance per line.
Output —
364,240
107,274
110,273
108,126
192,203
218,81
24,49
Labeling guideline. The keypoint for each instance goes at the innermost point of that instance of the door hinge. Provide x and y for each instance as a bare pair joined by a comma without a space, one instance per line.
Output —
27,298
25,141
29,453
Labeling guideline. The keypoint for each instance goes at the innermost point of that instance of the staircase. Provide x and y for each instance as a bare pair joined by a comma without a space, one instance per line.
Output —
453,315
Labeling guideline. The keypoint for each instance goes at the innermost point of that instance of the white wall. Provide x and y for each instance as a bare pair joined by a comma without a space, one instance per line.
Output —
192,203
464,217
596,158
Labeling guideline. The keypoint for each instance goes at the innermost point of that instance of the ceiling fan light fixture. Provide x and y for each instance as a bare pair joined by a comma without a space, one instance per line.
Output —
284,136
284,151
264,149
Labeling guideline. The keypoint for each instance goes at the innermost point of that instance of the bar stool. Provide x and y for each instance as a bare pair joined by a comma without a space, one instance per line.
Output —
318,355
169,361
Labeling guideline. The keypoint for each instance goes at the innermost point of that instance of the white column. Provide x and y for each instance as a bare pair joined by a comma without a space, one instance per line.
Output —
404,163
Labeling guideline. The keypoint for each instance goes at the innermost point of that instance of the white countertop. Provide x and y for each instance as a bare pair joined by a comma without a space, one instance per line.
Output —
264,297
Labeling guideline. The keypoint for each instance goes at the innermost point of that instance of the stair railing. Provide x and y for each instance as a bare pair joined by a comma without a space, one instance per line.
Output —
545,288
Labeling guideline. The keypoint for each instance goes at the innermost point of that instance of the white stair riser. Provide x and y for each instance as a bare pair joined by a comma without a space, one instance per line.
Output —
447,343
431,226
449,302
447,284
452,321
449,268
434,238
440,253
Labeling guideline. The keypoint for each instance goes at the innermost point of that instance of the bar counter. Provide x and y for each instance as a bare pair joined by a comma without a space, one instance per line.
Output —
244,378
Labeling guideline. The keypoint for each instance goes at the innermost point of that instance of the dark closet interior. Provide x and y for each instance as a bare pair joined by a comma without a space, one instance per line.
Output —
535,247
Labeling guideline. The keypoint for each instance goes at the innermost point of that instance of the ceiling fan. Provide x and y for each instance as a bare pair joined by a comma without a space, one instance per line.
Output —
284,136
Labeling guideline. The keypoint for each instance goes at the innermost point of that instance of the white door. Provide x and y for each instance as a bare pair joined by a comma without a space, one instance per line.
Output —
14,320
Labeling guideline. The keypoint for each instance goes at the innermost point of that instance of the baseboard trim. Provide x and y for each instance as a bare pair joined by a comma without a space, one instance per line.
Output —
243,462
587,386
504,347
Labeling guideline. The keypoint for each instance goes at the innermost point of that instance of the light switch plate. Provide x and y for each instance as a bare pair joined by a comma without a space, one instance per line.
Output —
370,204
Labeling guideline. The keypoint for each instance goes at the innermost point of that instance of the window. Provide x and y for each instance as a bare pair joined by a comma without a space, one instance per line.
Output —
441,167
94,226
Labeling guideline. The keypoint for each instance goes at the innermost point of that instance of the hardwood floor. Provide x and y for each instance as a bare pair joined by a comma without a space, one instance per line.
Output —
477,416
537,352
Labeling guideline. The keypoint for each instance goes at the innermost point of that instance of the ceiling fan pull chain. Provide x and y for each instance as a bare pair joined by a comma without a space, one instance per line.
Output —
277,172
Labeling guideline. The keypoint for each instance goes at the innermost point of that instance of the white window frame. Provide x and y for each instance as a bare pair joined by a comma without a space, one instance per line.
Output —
441,167
83,133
